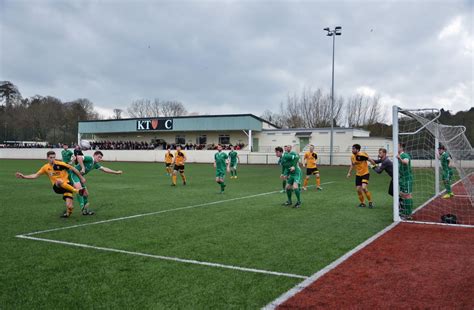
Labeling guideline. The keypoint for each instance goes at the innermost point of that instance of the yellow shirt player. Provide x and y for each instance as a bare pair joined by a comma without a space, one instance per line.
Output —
168,161
310,158
57,171
359,162
179,160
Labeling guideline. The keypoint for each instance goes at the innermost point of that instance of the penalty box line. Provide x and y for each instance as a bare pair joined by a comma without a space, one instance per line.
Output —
153,213
168,258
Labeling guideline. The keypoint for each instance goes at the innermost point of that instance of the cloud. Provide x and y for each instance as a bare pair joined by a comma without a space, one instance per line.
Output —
236,56
452,29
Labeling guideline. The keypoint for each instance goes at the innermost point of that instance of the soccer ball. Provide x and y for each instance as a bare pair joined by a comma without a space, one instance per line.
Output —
85,144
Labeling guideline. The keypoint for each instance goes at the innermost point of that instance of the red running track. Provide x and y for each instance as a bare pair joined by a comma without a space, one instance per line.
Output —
411,266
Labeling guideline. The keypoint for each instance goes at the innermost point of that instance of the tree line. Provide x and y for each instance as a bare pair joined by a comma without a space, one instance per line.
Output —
46,118
40,118
312,109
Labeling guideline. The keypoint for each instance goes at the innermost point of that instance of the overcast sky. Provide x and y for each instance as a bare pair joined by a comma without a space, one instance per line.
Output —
221,57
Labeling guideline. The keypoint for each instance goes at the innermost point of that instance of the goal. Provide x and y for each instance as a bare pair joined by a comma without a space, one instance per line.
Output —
440,193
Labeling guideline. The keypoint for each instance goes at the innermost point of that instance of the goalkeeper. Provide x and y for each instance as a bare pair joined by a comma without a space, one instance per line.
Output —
446,159
385,165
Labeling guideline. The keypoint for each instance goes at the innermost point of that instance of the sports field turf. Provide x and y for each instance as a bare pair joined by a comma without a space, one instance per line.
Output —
247,227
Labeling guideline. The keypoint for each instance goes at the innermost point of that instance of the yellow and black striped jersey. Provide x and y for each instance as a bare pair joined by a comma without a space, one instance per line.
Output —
359,160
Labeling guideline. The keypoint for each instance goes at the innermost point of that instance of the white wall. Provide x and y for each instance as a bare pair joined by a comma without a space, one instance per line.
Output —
197,157
111,155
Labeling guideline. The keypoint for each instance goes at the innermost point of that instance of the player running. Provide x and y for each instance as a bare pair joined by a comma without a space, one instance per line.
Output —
234,159
57,171
445,160
221,163
90,163
179,160
168,161
359,162
310,159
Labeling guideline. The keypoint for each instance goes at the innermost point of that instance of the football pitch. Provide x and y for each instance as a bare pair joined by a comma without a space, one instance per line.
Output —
151,245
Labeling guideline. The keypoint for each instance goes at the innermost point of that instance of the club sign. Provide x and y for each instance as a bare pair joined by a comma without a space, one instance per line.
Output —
155,124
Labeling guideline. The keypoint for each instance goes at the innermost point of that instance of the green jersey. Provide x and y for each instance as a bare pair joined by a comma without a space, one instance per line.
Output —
220,159
445,158
289,160
66,155
89,164
404,171
233,157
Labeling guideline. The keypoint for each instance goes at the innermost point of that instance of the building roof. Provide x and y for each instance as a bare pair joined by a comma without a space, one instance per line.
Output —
184,117
224,122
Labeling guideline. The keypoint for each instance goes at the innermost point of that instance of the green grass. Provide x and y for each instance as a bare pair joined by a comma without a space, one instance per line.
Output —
253,233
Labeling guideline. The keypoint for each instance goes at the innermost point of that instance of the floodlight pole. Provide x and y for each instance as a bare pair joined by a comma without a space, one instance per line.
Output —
332,33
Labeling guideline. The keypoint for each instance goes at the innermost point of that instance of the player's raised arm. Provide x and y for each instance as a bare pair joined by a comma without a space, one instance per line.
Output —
20,175
111,171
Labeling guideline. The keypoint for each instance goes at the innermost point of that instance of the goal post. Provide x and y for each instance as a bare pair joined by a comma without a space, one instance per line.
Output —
441,172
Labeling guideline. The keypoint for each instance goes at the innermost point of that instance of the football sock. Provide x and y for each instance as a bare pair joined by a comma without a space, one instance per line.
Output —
222,184
361,197
369,196
283,183
305,183
69,188
86,200
231,172
183,177
447,185
235,172
288,194
297,193
174,179
81,201
318,181
408,204
69,210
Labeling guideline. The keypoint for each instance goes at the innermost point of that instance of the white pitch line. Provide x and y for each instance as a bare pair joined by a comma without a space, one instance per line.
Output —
168,258
301,286
153,213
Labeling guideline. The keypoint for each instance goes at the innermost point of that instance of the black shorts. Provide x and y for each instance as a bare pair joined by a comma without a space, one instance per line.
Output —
59,190
179,168
311,171
362,179
168,164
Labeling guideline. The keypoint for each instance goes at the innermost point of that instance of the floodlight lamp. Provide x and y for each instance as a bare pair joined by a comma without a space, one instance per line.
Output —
327,29
338,28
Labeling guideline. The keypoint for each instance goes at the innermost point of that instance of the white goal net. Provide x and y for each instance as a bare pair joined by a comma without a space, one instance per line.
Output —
435,176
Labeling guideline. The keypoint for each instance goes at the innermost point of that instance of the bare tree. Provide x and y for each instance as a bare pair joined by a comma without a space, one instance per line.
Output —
140,108
145,108
172,108
363,111
311,109
117,114
274,118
